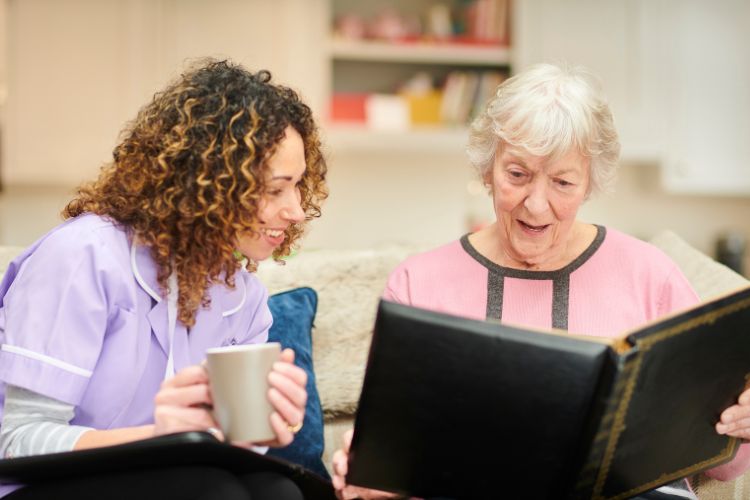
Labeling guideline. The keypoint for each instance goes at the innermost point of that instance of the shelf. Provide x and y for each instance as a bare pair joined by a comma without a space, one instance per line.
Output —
441,140
420,53
352,138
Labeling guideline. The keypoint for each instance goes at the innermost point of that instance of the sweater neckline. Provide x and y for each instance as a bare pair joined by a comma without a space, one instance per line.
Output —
511,272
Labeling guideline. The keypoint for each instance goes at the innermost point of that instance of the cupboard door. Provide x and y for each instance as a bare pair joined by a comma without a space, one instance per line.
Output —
676,72
605,37
703,49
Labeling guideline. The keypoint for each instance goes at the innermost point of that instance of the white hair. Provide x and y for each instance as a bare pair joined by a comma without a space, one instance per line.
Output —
547,110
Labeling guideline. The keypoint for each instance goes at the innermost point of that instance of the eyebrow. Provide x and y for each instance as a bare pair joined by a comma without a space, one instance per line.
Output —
514,159
281,177
564,171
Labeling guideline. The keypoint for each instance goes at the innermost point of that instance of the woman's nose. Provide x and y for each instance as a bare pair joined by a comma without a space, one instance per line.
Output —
537,202
293,211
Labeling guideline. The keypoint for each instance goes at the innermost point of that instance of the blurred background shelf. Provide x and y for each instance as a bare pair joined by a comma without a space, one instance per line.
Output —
446,140
345,138
456,54
423,65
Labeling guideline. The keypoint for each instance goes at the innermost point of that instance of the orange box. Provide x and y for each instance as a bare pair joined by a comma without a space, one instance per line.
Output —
348,107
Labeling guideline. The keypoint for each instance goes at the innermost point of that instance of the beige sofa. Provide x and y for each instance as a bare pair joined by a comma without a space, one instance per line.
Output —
349,284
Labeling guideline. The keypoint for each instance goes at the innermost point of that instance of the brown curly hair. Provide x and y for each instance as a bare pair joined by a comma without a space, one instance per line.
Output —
188,174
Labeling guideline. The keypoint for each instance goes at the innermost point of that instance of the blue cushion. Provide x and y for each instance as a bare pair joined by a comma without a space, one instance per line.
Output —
293,315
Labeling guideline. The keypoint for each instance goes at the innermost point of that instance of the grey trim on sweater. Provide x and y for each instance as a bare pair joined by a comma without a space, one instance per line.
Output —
34,424
560,279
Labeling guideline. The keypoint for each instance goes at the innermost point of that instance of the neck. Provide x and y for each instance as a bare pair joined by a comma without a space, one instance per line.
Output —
555,259
493,244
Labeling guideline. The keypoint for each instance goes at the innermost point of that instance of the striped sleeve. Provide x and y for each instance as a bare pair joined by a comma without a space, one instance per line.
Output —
34,424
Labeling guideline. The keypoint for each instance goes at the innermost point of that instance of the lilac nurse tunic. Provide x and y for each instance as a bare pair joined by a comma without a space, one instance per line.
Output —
82,320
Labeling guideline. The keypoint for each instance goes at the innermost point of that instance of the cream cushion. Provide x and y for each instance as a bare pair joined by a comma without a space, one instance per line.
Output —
349,285
708,277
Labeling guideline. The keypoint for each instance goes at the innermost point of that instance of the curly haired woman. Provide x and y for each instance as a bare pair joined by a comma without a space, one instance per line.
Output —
220,163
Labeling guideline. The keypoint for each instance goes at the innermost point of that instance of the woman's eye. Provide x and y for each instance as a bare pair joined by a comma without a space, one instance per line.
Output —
274,192
564,183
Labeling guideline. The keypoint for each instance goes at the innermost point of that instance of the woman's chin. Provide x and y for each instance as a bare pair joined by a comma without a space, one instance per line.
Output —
259,256
531,252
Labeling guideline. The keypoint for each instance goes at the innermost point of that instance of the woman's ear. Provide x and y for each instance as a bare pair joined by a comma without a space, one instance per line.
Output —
487,179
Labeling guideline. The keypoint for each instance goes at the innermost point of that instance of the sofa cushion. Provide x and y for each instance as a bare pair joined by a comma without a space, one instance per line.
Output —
293,314
708,277
349,284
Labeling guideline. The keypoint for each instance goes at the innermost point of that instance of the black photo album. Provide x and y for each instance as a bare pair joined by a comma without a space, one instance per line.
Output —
460,408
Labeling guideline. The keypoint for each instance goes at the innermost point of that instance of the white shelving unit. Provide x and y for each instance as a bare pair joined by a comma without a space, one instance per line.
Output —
453,54
367,66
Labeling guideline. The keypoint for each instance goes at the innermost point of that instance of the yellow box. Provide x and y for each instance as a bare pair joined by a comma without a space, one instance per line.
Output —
424,109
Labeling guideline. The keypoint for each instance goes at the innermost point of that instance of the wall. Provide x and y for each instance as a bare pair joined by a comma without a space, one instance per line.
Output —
4,38
3,50
78,69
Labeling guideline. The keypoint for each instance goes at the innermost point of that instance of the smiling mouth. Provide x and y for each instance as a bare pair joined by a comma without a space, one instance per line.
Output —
535,229
273,233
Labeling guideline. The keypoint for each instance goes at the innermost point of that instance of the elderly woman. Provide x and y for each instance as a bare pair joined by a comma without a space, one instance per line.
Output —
546,143
105,320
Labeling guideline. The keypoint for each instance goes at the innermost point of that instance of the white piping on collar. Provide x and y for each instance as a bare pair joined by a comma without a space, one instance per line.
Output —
174,292
238,306
138,276
158,298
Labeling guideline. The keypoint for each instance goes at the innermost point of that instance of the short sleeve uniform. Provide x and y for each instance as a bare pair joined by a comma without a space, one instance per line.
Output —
82,320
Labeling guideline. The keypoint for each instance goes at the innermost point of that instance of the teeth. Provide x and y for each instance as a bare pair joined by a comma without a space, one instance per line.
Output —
273,233
534,228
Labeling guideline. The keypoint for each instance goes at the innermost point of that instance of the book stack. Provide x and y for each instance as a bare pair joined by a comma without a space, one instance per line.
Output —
487,20
465,94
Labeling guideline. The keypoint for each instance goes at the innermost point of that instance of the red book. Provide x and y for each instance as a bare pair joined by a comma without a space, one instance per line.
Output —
348,107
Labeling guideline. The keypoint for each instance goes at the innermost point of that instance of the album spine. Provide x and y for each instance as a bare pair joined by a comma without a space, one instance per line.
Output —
606,423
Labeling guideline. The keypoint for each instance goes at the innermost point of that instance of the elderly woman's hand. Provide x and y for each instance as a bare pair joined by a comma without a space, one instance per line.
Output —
735,420
341,467
288,397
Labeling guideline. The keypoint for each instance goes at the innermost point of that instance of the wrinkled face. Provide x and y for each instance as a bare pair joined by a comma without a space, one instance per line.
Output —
536,201
280,204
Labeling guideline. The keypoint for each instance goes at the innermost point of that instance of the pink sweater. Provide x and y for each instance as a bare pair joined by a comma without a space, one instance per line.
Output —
616,285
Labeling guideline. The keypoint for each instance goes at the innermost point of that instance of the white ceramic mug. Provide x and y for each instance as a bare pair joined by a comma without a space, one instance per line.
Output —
239,385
